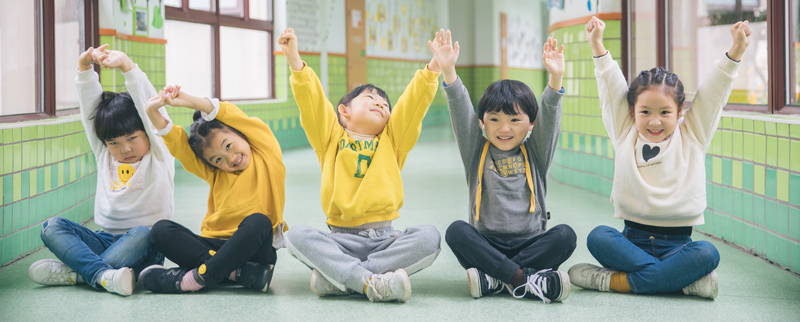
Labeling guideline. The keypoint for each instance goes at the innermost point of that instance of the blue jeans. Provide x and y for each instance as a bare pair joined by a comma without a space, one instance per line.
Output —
91,253
654,263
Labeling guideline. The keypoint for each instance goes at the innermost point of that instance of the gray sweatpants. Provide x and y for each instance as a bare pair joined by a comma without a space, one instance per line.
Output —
345,256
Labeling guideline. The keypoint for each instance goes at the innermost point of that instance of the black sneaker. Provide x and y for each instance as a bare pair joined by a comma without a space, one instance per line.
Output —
548,285
481,284
158,279
255,276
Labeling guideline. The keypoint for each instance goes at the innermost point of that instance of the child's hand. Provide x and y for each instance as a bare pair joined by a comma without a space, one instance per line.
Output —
114,59
85,60
740,32
553,61
156,102
553,57
288,43
174,96
446,54
594,33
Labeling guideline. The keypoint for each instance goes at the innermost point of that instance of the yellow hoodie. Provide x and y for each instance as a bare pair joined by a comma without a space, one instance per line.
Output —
361,180
233,197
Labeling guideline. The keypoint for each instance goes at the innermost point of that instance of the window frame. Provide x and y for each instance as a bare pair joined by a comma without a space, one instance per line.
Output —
216,20
779,59
45,89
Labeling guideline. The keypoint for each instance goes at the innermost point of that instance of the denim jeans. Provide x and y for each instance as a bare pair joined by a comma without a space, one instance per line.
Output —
91,253
654,263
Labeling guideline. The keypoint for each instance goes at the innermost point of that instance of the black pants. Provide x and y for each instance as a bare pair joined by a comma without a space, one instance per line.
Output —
251,242
502,258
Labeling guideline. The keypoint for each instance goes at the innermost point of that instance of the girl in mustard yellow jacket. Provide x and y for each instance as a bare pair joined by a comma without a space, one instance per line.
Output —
240,159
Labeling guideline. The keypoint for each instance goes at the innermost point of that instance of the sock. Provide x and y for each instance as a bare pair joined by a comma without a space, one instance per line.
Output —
233,276
189,284
619,283
518,278
366,283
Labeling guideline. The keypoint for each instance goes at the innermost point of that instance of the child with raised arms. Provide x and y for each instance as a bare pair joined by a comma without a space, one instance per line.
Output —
240,159
659,175
134,185
506,244
361,144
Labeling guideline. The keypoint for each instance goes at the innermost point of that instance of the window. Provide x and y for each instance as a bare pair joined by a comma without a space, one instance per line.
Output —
696,33
223,53
700,34
38,57
643,34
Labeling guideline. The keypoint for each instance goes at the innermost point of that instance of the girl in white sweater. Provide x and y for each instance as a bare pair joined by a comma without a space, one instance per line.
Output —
659,175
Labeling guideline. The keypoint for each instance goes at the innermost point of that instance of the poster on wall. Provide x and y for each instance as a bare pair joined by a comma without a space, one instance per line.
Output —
524,42
140,22
400,28
144,18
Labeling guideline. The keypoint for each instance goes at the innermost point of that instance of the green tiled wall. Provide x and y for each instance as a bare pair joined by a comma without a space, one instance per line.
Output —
752,166
48,170
150,58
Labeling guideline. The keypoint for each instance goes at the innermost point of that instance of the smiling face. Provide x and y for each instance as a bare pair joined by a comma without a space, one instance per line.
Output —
227,151
368,113
129,148
505,131
656,114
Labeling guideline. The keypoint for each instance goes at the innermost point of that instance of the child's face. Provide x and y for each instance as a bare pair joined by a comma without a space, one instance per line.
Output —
129,148
505,131
368,114
656,114
227,151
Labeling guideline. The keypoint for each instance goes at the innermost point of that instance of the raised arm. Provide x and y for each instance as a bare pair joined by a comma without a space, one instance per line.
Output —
713,93
316,113
544,136
466,127
611,85
89,95
406,120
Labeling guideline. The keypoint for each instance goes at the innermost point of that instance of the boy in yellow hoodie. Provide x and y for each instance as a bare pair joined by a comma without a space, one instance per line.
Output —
361,154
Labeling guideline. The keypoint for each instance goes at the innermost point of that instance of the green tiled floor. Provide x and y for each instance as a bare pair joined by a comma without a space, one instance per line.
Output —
750,288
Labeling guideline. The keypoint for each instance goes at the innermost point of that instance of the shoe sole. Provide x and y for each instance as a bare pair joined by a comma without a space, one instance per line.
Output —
406,284
474,283
715,283
128,282
269,278
314,276
565,286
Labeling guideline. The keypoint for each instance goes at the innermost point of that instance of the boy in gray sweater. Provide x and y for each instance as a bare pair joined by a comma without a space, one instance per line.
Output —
506,243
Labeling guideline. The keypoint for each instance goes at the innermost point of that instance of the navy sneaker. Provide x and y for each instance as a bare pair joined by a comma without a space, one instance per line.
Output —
255,276
158,279
481,284
546,284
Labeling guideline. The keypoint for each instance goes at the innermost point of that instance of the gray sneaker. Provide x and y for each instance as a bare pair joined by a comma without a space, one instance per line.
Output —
592,277
707,286
322,287
53,272
388,286
121,281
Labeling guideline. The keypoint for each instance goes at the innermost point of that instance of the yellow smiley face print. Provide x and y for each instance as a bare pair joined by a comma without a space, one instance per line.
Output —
125,172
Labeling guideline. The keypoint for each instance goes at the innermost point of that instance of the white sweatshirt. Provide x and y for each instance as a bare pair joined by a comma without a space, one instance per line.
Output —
661,184
146,196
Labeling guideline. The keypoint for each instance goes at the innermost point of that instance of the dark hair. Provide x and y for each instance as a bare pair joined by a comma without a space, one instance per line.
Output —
507,96
658,76
116,116
201,133
347,98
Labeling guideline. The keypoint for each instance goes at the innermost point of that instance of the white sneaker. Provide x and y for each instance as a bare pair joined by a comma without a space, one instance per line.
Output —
707,286
121,281
388,287
593,277
322,287
53,272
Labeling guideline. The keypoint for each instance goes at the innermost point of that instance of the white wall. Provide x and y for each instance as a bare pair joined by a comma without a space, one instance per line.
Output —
461,23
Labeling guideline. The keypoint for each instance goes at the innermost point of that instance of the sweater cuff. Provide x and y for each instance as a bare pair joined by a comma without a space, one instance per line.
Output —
604,62
86,75
211,116
165,130
728,65
303,75
430,76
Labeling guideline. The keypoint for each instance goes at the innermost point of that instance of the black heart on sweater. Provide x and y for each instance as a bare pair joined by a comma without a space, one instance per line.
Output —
649,153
